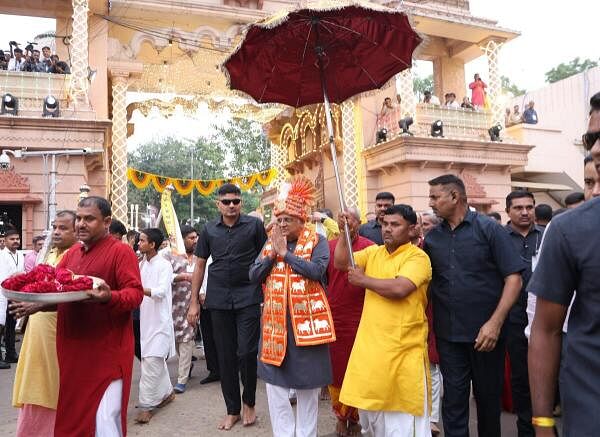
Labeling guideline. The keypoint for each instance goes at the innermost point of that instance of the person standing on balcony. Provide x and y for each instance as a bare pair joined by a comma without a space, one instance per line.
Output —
529,115
516,117
18,62
477,91
430,99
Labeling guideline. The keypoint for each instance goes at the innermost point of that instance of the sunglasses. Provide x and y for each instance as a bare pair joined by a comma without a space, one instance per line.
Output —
228,202
589,139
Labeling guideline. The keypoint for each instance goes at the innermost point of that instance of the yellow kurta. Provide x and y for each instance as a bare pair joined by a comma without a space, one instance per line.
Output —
37,377
388,363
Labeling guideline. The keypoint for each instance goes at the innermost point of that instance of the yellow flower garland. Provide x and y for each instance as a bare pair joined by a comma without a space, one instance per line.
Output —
141,180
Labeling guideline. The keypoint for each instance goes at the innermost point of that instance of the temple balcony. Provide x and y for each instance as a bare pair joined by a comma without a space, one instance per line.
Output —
30,90
459,123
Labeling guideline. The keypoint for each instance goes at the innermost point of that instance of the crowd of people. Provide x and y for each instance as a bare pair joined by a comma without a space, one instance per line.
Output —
32,60
529,116
398,318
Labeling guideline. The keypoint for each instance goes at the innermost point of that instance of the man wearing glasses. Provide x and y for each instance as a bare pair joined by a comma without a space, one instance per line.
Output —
234,241
527,238
568,262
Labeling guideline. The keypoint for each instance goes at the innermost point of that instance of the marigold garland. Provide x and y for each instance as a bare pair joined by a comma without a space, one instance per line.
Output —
141,180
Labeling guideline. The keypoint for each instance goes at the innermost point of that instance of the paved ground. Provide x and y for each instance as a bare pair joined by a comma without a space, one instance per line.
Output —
197,411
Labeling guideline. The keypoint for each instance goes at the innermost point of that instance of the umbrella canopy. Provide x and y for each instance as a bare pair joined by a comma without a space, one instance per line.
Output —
360,46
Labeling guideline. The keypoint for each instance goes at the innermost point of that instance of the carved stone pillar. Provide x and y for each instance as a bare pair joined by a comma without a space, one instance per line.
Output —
79,53
351,122
118,182
492,52
404,87
278,161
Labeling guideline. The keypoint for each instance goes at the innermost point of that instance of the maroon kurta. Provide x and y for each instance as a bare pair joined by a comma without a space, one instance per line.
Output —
346,302
94,341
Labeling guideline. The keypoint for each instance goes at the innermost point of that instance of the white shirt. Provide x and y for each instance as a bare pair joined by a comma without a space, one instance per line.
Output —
205,279
532,298
13,65
453,105
10,263
157,337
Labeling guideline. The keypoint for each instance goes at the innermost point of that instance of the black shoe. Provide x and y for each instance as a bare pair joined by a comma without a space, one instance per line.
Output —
12,358
210,378
4,365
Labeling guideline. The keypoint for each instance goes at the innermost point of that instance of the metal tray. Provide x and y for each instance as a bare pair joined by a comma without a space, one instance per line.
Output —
50,298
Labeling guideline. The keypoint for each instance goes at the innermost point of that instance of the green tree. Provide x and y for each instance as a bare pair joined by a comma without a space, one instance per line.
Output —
237,149
422,84
509,87
562,70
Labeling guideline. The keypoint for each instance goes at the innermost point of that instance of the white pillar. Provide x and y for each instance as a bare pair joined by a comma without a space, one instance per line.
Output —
79,53
118,183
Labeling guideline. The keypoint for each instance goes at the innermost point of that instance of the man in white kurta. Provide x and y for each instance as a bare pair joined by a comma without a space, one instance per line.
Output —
157,336
11,262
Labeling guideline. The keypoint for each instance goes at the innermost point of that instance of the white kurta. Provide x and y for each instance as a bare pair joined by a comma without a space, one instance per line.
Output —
157,336
10,263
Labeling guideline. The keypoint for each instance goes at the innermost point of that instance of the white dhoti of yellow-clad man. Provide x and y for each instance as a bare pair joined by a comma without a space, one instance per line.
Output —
35,390
387,377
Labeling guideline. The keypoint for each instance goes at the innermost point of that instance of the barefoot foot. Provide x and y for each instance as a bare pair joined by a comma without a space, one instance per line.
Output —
228,421
248,415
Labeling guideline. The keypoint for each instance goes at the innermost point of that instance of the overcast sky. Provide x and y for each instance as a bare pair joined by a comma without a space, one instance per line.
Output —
551,32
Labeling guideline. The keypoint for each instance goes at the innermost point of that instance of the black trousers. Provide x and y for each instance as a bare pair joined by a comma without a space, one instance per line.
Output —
516,345
9,335
237,350
136,338
208,340
462,365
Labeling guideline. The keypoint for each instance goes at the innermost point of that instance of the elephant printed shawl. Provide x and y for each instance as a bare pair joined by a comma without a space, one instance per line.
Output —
305,299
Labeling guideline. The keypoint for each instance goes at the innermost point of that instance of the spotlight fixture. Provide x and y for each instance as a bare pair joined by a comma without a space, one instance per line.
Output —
404,125
51,107
437,129
381,135
10,105
494,132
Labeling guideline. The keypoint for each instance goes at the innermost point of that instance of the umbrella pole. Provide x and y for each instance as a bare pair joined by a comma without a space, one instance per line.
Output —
334,160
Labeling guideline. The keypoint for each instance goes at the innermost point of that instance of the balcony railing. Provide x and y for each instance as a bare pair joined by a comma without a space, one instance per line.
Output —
30,89
458,123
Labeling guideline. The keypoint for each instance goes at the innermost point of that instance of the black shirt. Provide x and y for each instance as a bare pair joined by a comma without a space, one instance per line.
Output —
233,250
570,260
469,266
527,247
372,231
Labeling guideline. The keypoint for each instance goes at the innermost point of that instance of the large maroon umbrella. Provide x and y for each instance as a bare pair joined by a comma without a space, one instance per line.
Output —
320,55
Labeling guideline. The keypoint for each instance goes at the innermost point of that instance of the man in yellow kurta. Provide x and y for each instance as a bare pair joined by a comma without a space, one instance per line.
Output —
387,375
35,390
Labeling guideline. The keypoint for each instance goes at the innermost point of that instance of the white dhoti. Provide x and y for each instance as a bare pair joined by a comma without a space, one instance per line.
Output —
282,413
436,391
155,384
108,415
395,423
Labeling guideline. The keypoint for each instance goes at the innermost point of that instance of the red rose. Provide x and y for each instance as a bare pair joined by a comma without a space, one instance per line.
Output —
64,276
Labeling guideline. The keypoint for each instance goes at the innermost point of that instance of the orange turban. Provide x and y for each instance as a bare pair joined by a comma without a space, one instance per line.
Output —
295,199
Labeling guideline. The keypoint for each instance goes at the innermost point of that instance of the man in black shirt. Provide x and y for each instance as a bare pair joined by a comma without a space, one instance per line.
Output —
234,241
527,238
476,280
569,261
372,229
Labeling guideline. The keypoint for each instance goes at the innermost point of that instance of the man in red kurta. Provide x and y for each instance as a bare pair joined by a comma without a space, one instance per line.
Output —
94,338
346,303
